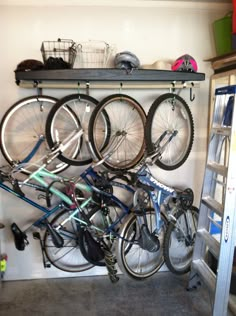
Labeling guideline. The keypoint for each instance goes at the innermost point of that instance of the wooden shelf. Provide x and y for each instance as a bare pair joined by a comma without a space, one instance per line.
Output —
107,75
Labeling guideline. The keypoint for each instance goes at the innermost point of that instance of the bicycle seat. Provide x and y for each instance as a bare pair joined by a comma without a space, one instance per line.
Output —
20,238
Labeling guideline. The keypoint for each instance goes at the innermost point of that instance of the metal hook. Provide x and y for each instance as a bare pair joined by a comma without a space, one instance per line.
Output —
87,87
192,96
39,90
121,86
172,89
79,91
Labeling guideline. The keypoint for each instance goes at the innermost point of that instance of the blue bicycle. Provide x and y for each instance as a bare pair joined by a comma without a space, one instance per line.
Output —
142,240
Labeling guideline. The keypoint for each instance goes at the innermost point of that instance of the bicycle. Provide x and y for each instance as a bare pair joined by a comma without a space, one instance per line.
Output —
168,205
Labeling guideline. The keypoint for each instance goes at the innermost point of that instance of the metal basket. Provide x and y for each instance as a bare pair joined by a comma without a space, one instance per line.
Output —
62,48
93,54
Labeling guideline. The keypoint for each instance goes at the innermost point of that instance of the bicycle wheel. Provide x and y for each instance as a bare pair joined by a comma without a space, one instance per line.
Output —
137,262
22,127
67,258
101,218
169,122
125,145
179,241
71,113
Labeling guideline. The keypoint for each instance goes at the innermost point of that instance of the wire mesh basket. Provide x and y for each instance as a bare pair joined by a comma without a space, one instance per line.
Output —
64,49
93,54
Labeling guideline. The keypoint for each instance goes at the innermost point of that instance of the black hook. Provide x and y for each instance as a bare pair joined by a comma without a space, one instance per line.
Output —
192,96
87,87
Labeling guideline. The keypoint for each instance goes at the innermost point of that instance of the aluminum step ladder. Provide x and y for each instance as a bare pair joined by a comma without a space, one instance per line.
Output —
216,232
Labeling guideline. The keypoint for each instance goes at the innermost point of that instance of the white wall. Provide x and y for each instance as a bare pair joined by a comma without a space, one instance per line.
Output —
152,33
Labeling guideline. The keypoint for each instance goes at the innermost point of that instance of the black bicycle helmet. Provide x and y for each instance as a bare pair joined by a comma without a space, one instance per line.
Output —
30,64
126,60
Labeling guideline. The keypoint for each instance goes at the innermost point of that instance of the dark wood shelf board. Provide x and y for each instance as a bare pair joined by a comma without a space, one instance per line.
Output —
107,74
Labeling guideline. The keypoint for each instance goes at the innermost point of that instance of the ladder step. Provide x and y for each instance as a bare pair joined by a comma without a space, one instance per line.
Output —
220,169
205,273
225,131
211,242
213,205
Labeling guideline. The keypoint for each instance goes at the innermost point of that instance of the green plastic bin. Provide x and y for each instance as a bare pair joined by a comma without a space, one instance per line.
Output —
223,34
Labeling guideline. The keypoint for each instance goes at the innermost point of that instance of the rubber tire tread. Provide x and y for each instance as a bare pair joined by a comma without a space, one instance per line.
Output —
168,233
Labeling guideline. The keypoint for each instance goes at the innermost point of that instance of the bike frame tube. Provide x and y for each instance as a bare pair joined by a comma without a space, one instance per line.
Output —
94,175
48,212
33,151
45,173
147,179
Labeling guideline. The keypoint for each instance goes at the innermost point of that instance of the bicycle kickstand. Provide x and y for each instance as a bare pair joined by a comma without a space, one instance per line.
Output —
46,264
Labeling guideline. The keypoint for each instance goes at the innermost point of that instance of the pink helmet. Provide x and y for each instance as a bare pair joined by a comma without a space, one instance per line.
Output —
185,63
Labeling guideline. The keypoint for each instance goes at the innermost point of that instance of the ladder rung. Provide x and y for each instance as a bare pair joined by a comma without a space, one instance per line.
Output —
211,242
215,222
226,131
205,273
213,205
223,184
220,169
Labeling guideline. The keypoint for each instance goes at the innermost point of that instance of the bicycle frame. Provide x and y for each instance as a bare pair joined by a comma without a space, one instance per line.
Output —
158,195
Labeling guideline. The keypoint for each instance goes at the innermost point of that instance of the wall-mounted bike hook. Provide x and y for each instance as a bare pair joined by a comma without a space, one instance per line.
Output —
121,86
192,96
172,89
87,87
39,90
78,89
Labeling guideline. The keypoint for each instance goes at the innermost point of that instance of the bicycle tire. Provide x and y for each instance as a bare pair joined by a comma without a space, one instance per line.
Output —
69,257
121,110
178,250
98,219
20,129
168,113
135,261
68,114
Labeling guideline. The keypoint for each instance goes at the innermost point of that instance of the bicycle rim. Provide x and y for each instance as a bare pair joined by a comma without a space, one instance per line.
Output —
126,132
133,260
170,113
21,128
67,258
178,250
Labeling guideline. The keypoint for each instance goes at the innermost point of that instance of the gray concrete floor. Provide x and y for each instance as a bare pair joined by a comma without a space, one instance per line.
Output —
164,294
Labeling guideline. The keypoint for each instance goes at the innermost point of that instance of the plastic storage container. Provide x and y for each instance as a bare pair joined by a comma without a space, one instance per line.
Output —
222,29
